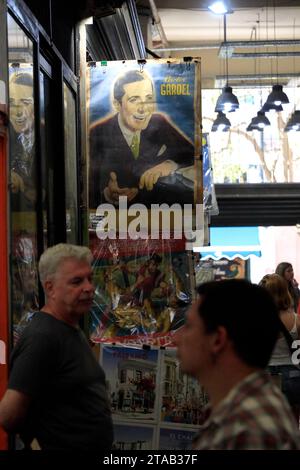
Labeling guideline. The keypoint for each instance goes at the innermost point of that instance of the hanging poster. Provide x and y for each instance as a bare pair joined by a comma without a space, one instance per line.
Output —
215,270
183,399
144,129
131,376
142,290
209,193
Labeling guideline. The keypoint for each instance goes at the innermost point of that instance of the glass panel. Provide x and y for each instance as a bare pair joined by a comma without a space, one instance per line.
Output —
239,156
44,151
70,164
23,177
47,158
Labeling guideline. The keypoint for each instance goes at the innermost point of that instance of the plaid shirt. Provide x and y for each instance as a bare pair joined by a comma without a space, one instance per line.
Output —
254,415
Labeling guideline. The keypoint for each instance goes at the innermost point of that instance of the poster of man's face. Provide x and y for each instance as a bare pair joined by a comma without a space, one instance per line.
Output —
142,132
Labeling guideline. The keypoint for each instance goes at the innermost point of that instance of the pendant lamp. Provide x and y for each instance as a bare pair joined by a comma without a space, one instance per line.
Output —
267,107
221,123
277,96
259,122
293,123
227,101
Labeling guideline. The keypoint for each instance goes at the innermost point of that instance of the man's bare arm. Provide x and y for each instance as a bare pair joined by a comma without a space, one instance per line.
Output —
13,409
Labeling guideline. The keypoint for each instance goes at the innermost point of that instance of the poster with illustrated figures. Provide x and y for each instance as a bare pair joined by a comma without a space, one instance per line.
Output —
223,268
144,132
142,291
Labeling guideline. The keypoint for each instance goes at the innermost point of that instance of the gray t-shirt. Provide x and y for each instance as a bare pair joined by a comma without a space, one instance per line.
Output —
54,364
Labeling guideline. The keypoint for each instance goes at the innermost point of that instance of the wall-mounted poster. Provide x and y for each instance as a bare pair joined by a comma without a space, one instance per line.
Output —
144,129
132,437
131,376
176,439
142,290
209,193
215,270
183,399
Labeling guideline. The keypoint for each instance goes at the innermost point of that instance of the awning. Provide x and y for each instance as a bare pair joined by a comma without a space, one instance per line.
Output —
231,242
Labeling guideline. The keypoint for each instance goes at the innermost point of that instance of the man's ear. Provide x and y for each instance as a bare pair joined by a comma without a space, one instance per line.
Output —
48,287
219,340
117,105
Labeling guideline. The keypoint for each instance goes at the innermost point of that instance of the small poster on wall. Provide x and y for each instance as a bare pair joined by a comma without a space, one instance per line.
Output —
223,268
131,376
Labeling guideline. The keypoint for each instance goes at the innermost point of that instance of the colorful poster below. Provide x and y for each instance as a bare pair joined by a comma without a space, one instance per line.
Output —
142,290
131,376
144,128
176,439
183,399
129,437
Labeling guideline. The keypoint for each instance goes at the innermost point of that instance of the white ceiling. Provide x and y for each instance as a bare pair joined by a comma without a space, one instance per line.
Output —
196,26
190,24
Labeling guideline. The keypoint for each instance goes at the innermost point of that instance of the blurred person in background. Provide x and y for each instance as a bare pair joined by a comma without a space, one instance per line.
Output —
286,271
281,361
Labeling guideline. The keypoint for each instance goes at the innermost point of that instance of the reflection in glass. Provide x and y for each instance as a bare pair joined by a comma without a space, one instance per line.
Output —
22,177
70,164
46,149
22,139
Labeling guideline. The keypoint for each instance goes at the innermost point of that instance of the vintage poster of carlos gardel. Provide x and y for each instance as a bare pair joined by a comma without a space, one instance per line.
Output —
141,127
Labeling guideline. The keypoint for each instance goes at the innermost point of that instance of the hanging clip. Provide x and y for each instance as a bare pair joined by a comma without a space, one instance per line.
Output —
103,65
188,61
142,63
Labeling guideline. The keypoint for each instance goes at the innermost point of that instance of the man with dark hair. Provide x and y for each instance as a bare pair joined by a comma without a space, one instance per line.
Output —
131,151
226,343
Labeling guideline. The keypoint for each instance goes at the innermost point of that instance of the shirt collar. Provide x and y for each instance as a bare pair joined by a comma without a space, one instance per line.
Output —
128,134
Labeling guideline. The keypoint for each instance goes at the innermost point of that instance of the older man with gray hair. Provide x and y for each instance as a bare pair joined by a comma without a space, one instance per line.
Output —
56,391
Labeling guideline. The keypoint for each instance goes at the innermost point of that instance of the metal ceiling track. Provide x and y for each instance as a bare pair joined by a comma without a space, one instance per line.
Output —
254,80
227,48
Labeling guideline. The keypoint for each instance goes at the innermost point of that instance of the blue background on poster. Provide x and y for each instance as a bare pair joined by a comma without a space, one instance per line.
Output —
179,108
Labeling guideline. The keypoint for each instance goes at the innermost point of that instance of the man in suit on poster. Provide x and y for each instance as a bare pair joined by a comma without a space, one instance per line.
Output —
22,141
134,149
